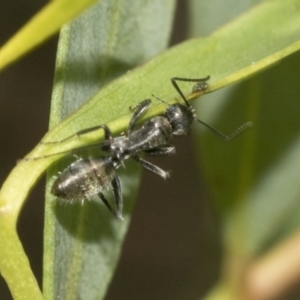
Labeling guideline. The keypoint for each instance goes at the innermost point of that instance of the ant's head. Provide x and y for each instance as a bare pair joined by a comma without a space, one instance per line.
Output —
181,118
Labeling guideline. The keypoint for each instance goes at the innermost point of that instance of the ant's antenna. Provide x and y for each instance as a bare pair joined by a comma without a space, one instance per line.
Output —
201,86
161,100
223,136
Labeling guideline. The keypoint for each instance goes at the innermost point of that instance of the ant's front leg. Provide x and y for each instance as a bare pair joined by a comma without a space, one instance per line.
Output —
139,110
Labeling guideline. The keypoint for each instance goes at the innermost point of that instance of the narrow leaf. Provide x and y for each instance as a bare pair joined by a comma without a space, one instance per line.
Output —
102,44
43,25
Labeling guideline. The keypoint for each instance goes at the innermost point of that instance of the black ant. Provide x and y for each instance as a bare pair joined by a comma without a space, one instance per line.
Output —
88,177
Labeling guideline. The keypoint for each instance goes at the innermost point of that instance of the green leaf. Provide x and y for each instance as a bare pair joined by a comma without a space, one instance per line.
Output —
102,44
42,26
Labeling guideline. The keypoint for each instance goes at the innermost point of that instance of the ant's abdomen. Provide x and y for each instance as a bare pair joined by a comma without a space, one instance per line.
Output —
83,179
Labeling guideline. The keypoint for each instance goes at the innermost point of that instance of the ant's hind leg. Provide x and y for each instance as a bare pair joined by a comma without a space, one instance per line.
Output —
108,136
107,204
116,186
151,167
139,110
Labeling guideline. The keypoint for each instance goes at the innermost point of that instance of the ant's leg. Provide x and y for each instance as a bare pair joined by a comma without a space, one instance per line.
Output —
161,151
108,134
151,167
139,110
69,152
106,203
116,186
202,85
223,136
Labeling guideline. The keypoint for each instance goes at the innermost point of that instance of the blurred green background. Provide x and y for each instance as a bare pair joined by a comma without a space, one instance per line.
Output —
173,248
